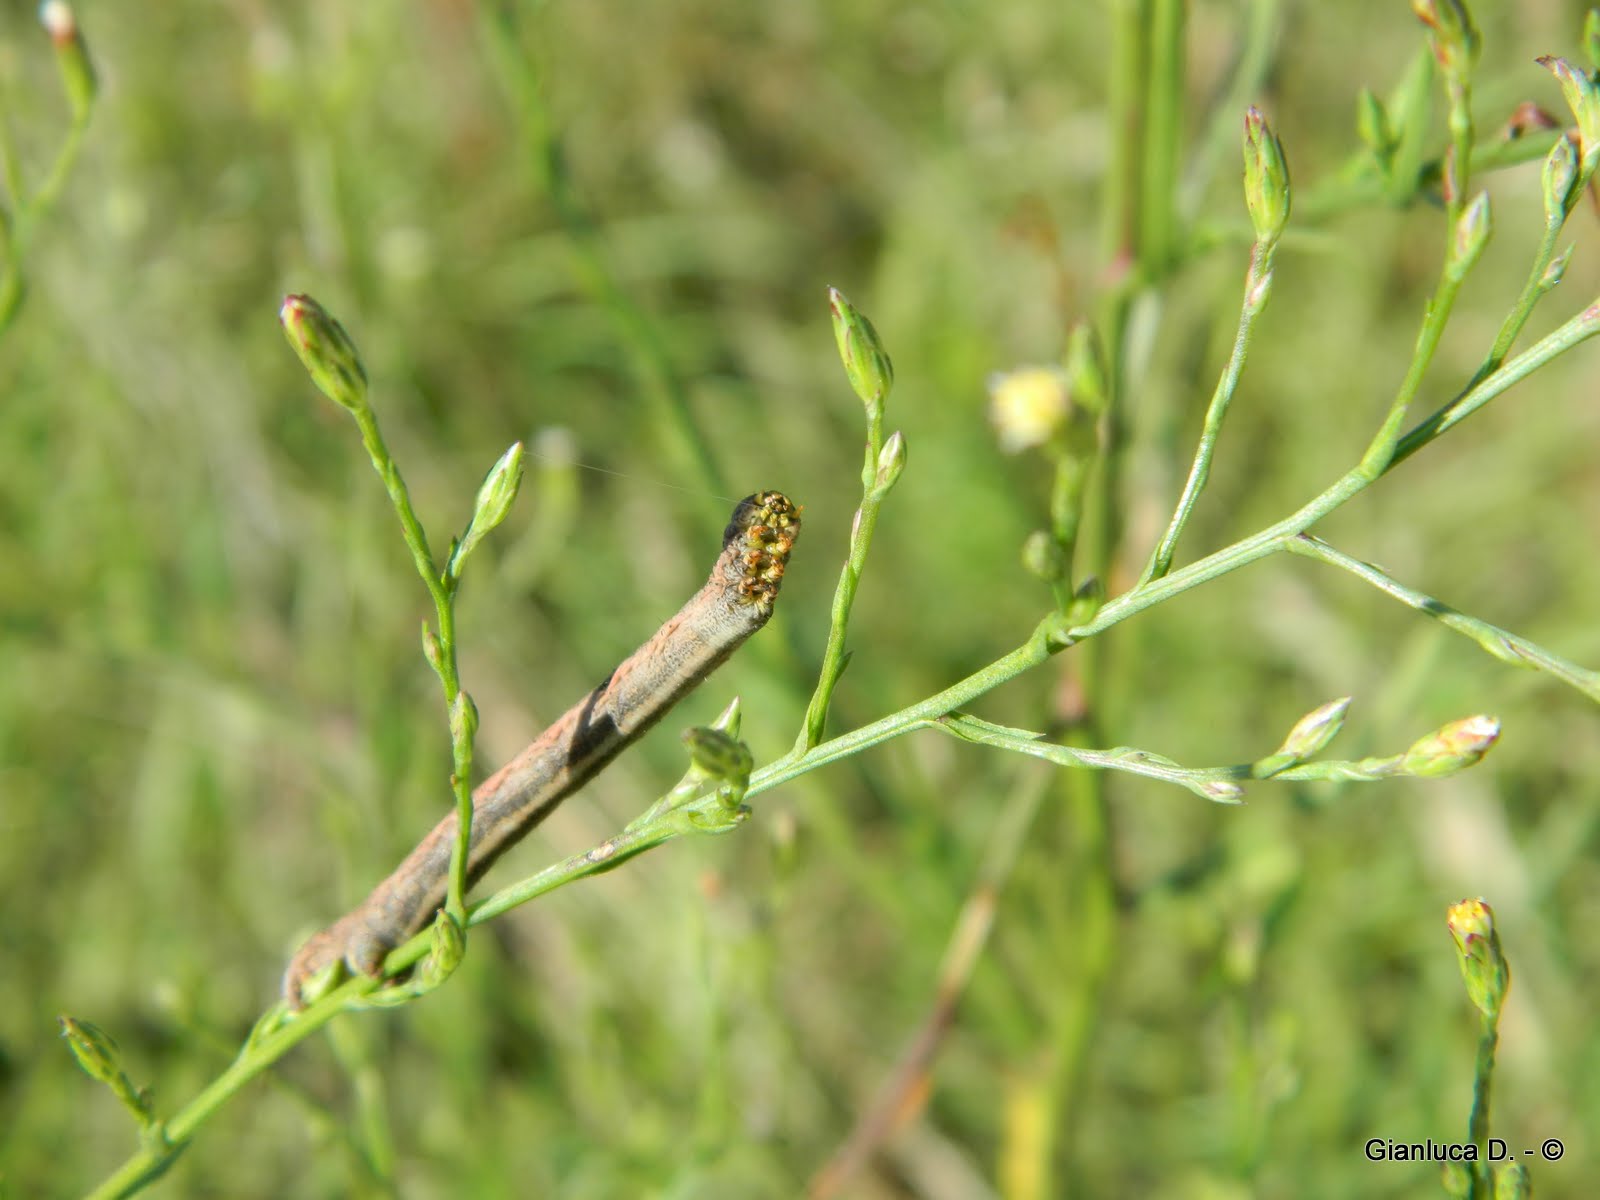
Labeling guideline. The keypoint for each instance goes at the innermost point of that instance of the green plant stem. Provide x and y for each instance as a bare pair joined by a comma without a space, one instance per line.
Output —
160,1152
1577,330
1501,643
1478,1121
834,656
1072,475
1120,200
442,590
1458,88
1163,131
1382,448
1534,289
1257,288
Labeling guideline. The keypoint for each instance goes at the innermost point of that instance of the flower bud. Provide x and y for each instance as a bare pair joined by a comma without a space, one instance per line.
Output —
1583,98
1556,271
499,489
1028,406
867,366
1560,182
448,947
1526,118
891,461
1043,557
431,650
1266,178
463,719
1451,748
330,357
1085,362
96,1052
495,494
1455,39
1310,734
717,756
1471,235
1511,1181
1316,729
1483,965
1221,791
72,56
1456,1178
95,1049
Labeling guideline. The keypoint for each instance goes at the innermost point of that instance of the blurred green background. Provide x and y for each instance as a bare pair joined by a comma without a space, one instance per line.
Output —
216,730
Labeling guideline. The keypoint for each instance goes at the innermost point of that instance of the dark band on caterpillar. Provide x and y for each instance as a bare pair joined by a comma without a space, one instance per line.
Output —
736,601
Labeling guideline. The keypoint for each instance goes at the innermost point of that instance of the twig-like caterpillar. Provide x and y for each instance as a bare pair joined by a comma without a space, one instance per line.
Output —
735,602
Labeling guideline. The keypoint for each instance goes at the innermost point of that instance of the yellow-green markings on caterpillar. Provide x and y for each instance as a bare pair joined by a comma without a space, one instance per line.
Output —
735,601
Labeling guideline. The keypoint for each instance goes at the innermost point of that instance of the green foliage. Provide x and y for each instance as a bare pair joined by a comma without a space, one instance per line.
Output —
608,236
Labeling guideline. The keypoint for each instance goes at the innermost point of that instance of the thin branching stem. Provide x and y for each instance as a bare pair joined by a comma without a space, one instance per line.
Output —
1256,290
834,655
442,591
1501,643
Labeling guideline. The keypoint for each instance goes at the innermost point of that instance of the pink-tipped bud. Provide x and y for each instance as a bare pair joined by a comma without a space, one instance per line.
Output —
866,364
1483,965
1266,178
330,357
1316,729
1451,748
72,56
891,461
95,1049
1471,235
495,495
1560,182
1582,95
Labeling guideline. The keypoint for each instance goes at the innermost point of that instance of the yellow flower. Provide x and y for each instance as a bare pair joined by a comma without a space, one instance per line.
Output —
1029,406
